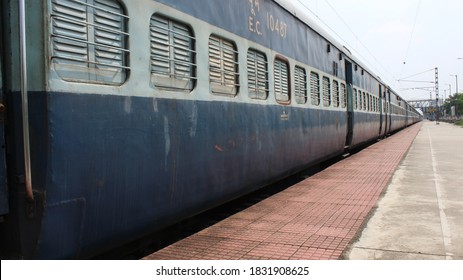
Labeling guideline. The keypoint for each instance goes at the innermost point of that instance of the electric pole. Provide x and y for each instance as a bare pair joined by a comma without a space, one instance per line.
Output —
437,95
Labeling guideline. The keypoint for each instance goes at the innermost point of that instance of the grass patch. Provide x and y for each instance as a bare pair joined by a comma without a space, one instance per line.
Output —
460,123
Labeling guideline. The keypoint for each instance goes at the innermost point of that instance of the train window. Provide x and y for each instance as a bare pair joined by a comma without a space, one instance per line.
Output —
223,66
300,85
360,100
89,41
257,75
367,108
335,93
315,88
281,80
356,99
364,101
370,98
343,96
368,101
326,92
172,54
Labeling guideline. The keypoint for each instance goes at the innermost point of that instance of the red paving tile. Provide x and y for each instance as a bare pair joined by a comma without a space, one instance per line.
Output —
314,219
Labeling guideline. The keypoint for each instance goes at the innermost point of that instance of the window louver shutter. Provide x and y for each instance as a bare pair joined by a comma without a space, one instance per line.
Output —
315,88
281,75
223,66
160,50
326,92
300,85
343,96
257,75
88,41
108,37
172,54
70,33
335,94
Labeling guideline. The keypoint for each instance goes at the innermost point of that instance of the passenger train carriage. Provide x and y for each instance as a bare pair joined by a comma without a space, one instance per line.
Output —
123,117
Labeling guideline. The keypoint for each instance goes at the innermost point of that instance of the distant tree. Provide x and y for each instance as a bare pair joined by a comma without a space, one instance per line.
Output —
454,100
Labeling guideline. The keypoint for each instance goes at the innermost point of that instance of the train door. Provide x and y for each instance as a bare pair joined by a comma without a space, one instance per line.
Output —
385,113
350,104
381,117
407,116
3,183
388,97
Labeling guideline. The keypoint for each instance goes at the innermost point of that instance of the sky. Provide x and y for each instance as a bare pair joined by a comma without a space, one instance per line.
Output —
398,39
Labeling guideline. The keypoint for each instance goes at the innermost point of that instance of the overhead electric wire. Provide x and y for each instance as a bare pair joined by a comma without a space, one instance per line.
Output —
315,14
347,44
414,75
411,35
358,39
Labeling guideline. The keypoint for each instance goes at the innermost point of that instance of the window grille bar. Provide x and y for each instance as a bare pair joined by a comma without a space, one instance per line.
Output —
89,43
90,62
176,61
174,75
171,46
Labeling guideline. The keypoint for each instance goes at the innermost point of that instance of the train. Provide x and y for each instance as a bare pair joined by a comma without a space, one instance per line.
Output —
120,118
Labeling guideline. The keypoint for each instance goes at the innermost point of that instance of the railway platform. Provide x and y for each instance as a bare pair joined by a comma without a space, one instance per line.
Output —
421,214
322,216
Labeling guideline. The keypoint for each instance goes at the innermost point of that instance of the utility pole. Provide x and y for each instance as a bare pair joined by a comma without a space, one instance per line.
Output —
437,95
456,94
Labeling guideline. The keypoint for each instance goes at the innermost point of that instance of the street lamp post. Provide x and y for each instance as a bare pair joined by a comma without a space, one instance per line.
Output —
456,81
456,77
456,94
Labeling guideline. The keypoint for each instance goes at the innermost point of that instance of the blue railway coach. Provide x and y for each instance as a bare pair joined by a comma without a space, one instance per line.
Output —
121,117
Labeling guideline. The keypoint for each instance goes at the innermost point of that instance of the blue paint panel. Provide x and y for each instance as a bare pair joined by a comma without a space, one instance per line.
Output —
4,207
366,127
141,164
64,240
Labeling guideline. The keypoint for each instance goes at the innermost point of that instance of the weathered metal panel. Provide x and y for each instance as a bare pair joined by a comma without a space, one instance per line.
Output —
153,165
3,181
